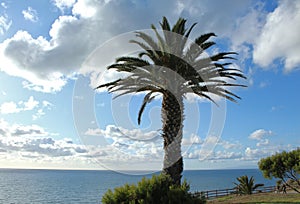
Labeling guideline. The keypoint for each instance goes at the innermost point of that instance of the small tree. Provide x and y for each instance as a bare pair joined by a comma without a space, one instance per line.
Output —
285,166
246,185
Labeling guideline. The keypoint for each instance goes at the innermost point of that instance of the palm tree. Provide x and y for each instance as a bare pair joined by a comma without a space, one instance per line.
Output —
246,185
174,66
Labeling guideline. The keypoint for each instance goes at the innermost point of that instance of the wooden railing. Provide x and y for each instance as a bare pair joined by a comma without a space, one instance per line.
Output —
230,191
265,189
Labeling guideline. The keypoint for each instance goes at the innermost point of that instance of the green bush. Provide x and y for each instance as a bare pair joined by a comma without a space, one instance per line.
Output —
157,190
246,185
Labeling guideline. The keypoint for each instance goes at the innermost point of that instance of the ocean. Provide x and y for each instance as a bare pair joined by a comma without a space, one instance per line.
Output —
22,186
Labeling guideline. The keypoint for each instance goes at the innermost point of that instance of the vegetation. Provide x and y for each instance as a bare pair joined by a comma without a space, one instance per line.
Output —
158,189
173,66
246,185
285,166
259,198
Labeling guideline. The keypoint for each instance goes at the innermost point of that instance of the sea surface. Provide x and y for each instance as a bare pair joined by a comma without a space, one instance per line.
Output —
20,186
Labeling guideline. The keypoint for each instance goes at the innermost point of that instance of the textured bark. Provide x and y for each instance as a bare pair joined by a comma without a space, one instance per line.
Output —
172,118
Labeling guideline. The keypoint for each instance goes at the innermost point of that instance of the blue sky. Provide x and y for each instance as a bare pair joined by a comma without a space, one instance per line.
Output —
52,53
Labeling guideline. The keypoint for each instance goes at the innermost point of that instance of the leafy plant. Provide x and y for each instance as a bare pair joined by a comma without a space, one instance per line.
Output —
285,166
158,189
246,185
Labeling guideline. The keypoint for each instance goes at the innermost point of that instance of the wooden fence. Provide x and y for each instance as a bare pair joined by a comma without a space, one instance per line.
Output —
230,191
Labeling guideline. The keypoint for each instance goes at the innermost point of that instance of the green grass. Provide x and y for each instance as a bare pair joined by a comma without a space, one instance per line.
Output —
259,198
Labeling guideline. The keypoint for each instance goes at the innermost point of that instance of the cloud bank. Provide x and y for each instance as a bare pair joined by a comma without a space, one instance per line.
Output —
47,64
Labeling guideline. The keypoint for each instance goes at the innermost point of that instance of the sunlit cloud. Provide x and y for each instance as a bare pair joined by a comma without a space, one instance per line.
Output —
5,24
30,14
12,107
278,38
260,134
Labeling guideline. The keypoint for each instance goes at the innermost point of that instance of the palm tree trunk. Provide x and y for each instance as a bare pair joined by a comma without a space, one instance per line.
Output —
172,119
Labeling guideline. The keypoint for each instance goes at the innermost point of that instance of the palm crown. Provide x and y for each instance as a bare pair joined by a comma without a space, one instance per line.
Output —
173,66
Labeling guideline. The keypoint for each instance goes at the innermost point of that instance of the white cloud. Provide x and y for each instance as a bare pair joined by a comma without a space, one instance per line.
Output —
12,107
31,130
246,31
130,145
21,56
223,150
264,142
262,152
215,155
22,142
254,153
192,140
5,24
94,132
30,14
73,37
222,23
29,105
85,8
41,147
248,27
229,145
63,4
35,141
3,4
260,134
238,152
11,130
9,107
47,104
279,37
41,111
38,114
123,135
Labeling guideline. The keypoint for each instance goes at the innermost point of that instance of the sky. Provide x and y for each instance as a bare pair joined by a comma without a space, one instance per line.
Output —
54,53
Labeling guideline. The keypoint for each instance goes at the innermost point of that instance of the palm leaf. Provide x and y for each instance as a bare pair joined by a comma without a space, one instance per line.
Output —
165,24
147,99
114,83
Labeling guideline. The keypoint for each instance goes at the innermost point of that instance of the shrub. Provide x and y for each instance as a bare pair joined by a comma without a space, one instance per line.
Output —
246,185
158,189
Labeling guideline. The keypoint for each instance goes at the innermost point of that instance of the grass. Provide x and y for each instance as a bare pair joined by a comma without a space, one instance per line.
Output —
259,198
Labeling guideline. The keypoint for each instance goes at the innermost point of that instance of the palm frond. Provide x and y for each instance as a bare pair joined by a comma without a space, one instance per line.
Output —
114,83
200,40
147,99
161,42
190,70
148,39
197,48
207,45
133,60
187,34
223,55
179,27
165,24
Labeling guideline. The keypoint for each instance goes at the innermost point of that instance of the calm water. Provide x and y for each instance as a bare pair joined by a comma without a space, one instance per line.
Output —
69,186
